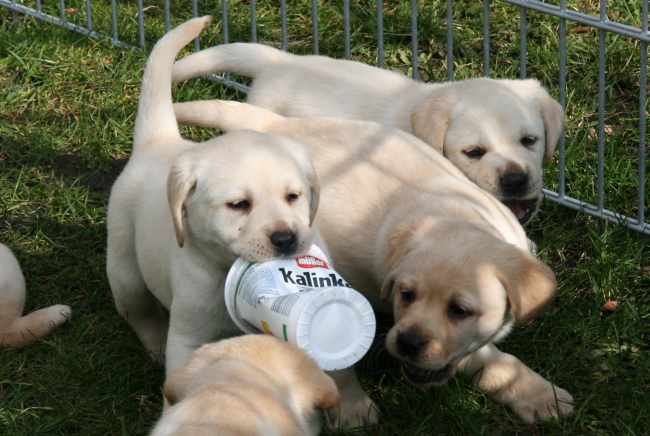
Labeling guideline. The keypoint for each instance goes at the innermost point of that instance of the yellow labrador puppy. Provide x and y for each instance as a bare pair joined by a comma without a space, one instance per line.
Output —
249,385
16,330
407,229
181,213
497,132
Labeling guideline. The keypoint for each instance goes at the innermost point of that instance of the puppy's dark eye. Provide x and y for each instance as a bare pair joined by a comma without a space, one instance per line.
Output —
474,153
240,205
458,312
528,140
292,197
408,295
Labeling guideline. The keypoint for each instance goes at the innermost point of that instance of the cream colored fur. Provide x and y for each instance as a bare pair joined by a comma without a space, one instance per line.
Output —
249,385
497,132
16,330
407,229
181,213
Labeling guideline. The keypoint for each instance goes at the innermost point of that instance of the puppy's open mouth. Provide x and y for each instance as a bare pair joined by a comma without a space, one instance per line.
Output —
419,376
523,209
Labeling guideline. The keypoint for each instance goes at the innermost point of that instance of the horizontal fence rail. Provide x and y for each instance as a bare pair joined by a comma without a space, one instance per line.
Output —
601,23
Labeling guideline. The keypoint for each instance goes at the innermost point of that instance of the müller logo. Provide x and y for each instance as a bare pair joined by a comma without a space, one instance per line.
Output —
311,262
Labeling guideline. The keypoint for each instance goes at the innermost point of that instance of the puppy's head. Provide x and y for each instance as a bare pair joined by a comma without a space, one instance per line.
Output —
286,367
454,289
254,194
498,132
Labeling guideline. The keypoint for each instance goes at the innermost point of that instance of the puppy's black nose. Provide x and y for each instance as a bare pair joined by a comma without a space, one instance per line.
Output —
513,183
410,344
284,241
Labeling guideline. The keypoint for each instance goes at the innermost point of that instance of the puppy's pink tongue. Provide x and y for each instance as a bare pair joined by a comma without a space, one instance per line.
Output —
516,208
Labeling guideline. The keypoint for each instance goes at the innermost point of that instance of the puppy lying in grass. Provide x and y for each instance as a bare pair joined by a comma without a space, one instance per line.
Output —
497,132
16,330
249,385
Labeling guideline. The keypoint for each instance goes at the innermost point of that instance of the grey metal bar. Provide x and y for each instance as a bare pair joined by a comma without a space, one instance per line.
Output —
486,38
39,6
314,18
450,40
116,36
587,20
380,33
14,16
414,38
224,20
168,17
89,15
58,22
346,27
592,210
253,20
62,10
562,80
643,82
523,30
602,71
141,24
195,13
283,13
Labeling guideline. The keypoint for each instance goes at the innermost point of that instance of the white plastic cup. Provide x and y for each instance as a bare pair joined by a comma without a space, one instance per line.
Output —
303,301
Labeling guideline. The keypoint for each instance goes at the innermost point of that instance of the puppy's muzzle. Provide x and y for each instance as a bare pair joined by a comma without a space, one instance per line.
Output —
410,345
284,242
514,184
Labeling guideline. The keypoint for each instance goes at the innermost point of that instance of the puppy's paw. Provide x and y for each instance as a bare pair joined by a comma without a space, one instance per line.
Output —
358,414
58,314
544,403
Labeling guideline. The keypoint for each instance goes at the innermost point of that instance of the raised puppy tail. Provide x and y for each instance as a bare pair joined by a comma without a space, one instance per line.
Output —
226,115
245,59
156,117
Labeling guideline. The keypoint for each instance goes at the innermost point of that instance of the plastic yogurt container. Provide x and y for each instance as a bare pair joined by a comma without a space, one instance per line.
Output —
304,301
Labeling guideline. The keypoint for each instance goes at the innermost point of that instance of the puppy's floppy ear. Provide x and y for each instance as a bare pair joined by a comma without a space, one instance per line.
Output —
314,192
552,112
179,183
430,119
530,284
399,245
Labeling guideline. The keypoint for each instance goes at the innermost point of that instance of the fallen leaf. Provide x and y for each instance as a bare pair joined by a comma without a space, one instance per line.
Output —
610,307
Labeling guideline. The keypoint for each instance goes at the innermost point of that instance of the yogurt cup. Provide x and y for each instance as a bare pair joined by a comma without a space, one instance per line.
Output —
304,301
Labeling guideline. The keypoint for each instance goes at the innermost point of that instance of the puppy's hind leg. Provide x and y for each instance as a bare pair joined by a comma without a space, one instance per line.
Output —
136,303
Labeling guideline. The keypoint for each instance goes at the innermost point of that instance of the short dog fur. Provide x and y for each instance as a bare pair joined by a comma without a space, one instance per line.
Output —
498,132
181,213
415,236
249,385
16,330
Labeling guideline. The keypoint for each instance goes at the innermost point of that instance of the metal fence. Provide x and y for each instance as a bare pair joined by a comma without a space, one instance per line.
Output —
602,23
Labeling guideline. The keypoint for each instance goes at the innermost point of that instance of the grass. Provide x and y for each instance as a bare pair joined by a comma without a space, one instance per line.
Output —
66,121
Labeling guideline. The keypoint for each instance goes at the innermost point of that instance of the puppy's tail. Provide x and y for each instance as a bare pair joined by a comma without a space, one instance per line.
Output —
226,115
245,59
155,113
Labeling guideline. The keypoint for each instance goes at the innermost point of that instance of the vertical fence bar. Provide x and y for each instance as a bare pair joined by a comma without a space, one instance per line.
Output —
283,13
224,20
195,13
562,79
168,17
346,27
450,40
141,24
602,69
62,9
116,36
89,16
486,37
523,47
380,33
14,15
253,21
643,81
314,17
414,38
39,6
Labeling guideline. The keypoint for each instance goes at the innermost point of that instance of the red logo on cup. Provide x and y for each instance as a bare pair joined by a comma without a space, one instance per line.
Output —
311,262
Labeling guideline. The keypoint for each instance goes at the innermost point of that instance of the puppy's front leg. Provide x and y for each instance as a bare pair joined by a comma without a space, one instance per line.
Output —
508,381
357,409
